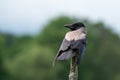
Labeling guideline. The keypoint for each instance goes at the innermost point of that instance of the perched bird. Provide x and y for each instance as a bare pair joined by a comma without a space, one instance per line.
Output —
75,40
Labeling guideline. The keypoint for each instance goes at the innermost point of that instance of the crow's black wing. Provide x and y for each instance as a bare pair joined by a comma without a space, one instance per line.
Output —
64,51
67,48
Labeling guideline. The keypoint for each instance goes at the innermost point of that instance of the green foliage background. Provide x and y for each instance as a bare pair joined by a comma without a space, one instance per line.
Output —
30,58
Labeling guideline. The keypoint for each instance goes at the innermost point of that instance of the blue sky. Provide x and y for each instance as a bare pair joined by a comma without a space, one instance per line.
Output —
27,16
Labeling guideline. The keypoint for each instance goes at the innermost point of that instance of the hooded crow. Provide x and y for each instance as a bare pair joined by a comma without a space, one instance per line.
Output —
75,40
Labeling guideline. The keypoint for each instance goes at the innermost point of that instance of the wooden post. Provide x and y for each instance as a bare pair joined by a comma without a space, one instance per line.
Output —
73,68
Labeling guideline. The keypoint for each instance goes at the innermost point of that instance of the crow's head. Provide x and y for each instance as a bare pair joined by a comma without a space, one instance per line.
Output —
74,26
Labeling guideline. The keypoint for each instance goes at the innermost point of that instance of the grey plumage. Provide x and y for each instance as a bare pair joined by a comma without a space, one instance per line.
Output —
75,40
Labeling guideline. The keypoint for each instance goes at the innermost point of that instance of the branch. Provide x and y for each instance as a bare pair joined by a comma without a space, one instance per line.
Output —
73,68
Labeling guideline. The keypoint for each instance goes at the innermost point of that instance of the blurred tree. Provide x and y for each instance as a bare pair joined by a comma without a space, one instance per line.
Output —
3,72
30,58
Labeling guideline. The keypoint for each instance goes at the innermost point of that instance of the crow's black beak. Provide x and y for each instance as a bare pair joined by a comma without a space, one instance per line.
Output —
67,25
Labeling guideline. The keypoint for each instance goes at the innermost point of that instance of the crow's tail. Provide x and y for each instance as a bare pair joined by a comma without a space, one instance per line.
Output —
53,64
